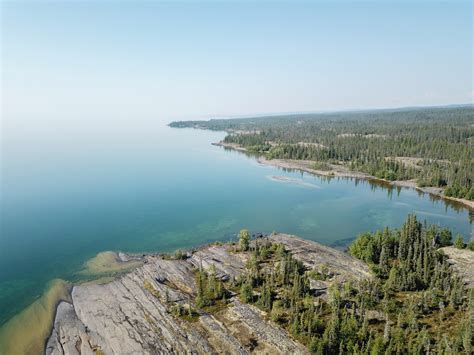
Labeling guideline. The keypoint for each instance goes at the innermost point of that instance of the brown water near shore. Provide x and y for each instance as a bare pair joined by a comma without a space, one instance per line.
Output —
109,262
27,332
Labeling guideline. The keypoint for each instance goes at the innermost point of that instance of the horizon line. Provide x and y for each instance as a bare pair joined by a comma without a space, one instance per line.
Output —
349,110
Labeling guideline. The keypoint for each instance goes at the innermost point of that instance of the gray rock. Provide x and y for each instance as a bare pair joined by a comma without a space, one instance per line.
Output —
131,315
312,254
266,332
462,260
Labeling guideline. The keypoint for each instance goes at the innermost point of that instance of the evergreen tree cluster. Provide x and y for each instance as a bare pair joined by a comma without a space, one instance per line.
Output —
210,288
413,304
408,259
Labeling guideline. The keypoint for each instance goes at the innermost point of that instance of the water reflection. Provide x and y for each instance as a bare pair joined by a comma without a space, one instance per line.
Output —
375,184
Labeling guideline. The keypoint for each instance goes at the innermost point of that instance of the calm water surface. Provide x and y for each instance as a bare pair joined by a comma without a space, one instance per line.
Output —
158,189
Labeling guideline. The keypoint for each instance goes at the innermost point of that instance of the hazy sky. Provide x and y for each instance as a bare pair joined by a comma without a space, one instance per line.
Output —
86,60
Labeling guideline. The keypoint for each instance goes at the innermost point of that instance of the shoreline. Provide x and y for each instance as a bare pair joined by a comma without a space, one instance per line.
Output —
74,313
105,267
161,282
341,171
94,319
118,262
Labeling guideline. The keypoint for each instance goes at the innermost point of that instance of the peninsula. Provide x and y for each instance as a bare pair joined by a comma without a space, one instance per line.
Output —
430,149
399,290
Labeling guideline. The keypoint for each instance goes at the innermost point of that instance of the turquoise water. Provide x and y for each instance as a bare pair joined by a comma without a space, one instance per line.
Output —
157,189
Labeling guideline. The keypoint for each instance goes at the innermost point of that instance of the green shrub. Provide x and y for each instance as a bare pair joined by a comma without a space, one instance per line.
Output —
244,240
459,242
470,245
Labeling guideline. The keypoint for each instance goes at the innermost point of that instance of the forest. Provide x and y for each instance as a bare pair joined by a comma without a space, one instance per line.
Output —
414,303
434,146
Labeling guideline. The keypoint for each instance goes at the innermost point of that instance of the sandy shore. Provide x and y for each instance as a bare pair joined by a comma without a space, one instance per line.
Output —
342,171
305,165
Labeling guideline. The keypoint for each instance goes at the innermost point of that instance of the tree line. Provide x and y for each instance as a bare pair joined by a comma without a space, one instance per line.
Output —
441,138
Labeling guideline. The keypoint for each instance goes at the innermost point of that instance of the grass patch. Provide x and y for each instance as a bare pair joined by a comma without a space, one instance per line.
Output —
216,307
177,255
150,288
185,312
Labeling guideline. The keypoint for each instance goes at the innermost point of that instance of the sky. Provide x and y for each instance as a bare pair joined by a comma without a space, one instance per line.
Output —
70,62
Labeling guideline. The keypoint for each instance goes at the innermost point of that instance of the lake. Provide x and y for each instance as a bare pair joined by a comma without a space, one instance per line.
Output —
154,188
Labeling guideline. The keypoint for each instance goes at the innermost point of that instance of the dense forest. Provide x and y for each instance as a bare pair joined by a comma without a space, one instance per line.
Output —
435,146
413,304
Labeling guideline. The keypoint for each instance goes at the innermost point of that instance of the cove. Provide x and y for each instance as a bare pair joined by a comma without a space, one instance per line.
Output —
155,188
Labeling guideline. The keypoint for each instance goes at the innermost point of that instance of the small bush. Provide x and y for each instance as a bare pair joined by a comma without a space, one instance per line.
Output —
246,293
459,242
185,312
470,245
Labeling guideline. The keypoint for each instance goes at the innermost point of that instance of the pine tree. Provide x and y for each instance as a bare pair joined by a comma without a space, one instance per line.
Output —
244,240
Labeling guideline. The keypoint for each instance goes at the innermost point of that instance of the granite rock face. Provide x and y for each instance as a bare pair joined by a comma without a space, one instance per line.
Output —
312,254
462,260
131,315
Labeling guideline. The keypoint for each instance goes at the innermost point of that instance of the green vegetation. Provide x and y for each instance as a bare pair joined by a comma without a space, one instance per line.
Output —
321,166
178,255
210,289
413,304
470,245
97,350
459,242
148,286
438,142
244,239
185,312
319,274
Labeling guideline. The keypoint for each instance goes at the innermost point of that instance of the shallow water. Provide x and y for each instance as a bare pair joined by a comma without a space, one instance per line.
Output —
156,188
26,332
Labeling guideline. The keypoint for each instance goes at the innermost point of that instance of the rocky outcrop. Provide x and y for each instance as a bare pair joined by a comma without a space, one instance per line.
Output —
273,338
315,255
131,315
462,260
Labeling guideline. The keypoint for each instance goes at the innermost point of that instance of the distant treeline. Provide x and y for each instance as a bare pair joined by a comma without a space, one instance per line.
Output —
442,140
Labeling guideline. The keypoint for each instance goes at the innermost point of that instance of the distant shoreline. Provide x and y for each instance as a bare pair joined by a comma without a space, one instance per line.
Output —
341,171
